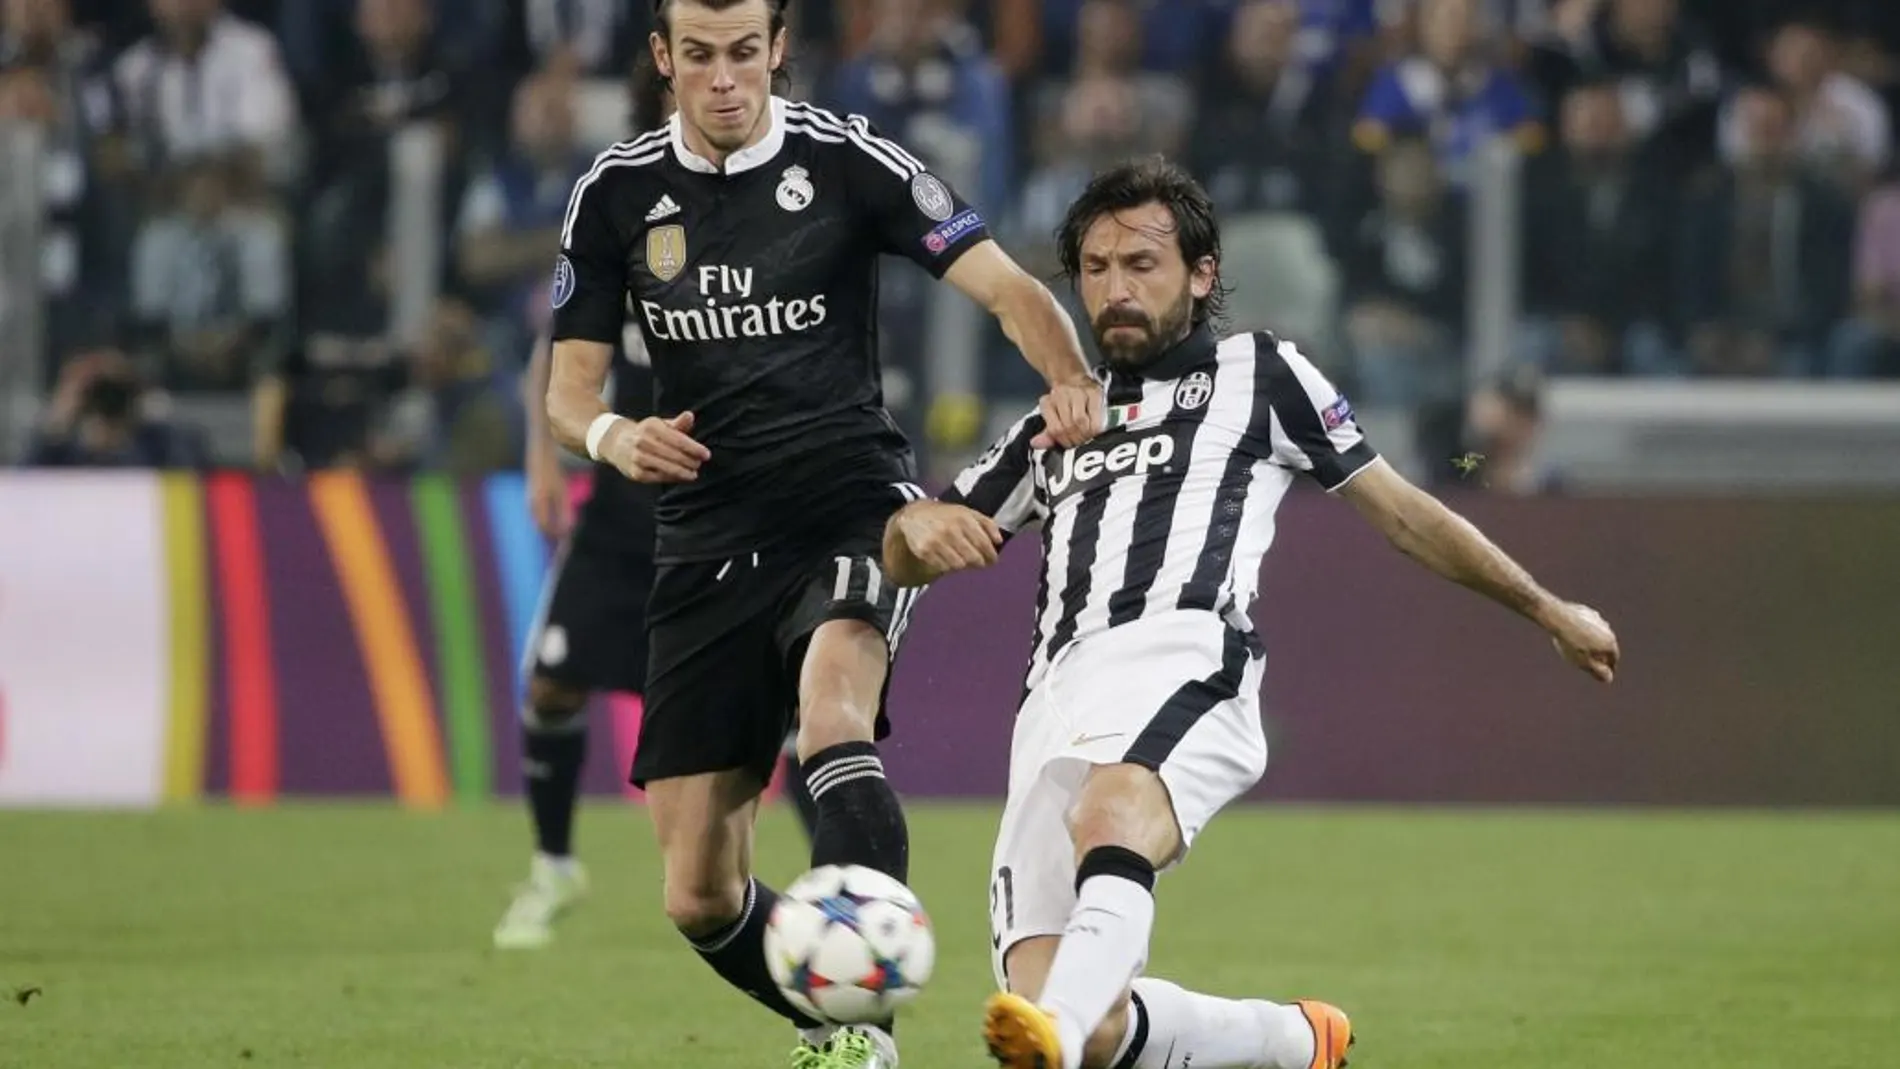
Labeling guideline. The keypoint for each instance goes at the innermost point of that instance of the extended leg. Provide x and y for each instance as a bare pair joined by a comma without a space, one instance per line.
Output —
840,690
1122,827
1163,1026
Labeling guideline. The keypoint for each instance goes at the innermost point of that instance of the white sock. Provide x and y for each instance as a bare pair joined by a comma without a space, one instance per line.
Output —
1171,1028
561,866
1102,949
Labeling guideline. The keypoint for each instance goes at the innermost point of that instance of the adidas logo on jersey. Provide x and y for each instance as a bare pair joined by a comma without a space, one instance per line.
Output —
663,209
1106,459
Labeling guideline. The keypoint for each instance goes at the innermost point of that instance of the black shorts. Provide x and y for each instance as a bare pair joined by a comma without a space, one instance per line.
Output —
728,640
591,634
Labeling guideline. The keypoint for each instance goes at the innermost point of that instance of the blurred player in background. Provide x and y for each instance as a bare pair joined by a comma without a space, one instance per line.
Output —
747,235
1141,715
591,635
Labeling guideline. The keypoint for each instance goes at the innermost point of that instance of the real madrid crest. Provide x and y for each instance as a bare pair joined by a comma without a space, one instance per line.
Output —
794,189
1192,392
666,251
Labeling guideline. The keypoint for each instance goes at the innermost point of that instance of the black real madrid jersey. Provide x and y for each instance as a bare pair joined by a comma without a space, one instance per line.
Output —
755,289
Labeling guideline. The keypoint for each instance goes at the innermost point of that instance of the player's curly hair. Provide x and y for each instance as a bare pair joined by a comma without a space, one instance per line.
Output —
663,22
1150,180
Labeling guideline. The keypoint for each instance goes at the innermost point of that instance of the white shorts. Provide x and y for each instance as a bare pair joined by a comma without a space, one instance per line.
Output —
1177,692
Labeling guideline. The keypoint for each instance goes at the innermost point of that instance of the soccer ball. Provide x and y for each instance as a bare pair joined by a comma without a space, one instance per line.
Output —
849,945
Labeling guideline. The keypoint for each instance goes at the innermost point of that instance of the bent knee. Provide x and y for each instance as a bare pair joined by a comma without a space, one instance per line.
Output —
1125,806
552,703
701,908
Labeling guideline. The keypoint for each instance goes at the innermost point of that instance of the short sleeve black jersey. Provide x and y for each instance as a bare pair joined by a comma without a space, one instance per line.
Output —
755,289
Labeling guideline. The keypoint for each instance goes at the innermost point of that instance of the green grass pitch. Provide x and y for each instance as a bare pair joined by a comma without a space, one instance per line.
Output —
356,937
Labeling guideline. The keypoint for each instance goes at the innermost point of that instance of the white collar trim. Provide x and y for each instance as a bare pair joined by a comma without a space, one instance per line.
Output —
745,159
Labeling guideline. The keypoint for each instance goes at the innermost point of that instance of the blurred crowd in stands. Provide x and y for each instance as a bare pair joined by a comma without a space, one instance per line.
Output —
1708,189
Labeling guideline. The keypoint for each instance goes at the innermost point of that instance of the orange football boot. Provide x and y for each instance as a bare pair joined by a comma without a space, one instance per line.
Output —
1020,1034
1332,1033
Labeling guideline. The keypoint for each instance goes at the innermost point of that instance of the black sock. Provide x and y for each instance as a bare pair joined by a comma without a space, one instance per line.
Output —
551,759
800,792
737,953
859,819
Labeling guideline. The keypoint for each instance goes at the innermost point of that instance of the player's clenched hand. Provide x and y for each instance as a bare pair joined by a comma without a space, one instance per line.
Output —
949,538
656,450
1071,415
1584,638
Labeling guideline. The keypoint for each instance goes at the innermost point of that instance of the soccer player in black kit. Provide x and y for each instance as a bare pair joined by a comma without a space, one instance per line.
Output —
745,240
590,634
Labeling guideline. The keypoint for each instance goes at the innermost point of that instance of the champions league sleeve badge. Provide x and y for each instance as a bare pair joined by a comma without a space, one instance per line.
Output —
933,198
1337,414
563,281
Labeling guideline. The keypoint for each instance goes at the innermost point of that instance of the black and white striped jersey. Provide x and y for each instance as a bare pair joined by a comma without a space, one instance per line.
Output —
1172,507
754,287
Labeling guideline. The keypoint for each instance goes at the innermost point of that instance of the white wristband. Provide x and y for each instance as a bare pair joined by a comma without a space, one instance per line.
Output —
598,430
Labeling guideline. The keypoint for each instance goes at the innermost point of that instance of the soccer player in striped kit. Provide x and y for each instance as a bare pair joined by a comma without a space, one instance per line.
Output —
1141,714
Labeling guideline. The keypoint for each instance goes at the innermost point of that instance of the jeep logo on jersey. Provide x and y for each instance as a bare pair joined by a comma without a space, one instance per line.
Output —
1106,459
666,251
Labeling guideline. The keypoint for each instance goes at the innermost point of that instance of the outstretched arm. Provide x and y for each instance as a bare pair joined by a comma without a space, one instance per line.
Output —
1301,421
1036,323
919,216
927,540
969,523
1423,528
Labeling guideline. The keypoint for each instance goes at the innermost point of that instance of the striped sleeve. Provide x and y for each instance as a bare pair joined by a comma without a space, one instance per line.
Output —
917,214
1002,482
589,290
1301,420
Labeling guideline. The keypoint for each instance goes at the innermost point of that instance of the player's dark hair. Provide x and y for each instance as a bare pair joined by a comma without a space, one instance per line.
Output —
663,22
1150,180
647,91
